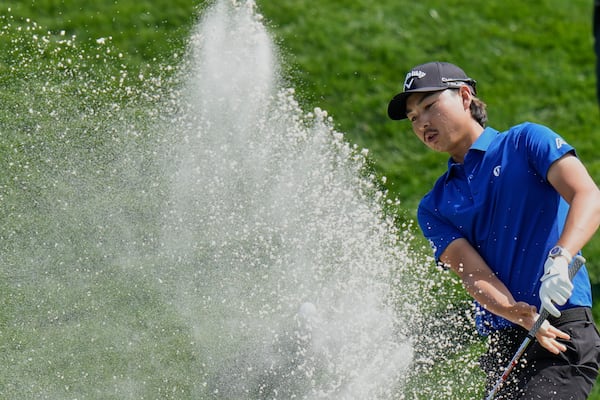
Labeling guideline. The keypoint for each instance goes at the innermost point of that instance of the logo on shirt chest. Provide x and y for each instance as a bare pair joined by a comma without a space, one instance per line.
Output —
496,170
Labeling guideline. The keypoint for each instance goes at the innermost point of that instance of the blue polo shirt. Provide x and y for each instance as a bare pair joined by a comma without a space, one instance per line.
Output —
500,201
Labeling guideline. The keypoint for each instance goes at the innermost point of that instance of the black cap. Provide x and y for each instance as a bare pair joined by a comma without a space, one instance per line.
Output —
429,77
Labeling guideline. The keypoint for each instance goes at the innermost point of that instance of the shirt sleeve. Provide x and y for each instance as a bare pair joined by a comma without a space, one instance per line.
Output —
544,147
436,229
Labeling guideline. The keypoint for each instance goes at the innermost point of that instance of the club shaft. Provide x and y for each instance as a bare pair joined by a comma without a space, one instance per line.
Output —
509,368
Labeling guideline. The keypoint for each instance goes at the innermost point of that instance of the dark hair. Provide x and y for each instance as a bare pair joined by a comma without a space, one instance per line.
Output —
478,111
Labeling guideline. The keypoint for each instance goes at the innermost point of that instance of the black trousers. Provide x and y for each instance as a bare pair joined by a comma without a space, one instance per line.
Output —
541,374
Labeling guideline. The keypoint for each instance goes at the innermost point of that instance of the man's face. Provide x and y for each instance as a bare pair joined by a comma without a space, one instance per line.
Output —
437,117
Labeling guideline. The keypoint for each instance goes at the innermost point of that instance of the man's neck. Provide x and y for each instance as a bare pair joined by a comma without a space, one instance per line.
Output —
471,135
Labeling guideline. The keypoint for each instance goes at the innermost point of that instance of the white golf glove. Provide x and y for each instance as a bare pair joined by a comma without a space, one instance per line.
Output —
556,286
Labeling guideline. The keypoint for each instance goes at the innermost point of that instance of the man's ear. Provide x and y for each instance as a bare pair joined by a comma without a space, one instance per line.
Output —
466,96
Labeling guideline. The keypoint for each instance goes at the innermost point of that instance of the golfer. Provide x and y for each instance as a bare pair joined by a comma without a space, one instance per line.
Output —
508,216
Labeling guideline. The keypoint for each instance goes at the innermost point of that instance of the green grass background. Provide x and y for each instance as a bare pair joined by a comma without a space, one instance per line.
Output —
532,60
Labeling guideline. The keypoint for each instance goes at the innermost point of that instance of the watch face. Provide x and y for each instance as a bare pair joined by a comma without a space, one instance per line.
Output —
555,251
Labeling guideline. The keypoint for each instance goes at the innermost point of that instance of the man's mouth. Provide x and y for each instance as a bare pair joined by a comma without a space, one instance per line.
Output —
429,135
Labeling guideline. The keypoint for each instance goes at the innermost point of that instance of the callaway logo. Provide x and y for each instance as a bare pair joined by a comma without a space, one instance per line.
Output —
560,142
410,78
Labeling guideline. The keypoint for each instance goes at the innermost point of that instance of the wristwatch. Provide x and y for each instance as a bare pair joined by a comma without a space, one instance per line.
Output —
558,251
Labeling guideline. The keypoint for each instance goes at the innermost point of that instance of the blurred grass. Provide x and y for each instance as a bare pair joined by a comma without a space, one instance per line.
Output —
532,60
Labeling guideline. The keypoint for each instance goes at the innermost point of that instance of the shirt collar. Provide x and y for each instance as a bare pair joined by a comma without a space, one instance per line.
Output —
484,140
481,144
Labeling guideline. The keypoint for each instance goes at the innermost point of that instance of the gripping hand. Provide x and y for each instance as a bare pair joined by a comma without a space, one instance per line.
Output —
556,286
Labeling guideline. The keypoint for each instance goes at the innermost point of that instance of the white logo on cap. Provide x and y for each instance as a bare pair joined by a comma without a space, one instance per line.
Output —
410,78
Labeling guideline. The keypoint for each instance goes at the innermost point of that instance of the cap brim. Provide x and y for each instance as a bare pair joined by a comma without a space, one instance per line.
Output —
397,106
